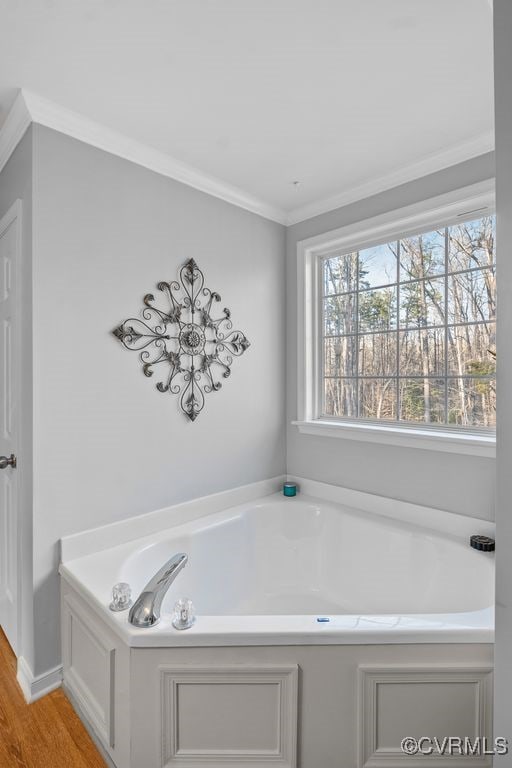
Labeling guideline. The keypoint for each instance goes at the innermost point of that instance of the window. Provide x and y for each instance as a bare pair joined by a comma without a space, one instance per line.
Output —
408,328
397,324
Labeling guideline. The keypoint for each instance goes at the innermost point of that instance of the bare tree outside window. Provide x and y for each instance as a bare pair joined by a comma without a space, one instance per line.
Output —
409,329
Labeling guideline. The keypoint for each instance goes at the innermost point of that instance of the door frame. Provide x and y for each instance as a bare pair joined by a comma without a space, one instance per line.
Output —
15,215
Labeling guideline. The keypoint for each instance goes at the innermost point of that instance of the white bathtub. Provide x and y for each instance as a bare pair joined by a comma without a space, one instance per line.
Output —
267,570
408,638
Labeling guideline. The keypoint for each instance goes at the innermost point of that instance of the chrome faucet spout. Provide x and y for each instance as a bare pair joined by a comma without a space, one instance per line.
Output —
145,612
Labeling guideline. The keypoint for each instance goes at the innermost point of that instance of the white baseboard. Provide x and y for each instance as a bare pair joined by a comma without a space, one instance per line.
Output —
36,686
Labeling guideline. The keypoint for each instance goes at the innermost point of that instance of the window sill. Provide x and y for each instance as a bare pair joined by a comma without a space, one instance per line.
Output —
407,437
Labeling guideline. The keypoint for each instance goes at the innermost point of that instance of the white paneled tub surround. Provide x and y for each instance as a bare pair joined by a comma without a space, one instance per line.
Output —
408,641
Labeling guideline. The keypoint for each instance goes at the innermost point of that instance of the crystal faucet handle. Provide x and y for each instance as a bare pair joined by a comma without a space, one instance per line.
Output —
183,616
121,597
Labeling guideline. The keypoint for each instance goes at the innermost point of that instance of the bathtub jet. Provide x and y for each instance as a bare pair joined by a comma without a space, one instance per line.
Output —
145,612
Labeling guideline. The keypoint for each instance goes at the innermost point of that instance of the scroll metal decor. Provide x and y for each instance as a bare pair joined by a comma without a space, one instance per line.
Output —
194,347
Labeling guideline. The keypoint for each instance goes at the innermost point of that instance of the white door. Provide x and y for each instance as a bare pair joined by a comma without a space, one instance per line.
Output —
10,252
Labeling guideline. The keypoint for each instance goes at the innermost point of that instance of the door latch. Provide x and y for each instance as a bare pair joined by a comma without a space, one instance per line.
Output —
8,461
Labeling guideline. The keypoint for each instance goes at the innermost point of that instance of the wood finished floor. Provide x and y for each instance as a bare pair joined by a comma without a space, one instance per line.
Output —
46,734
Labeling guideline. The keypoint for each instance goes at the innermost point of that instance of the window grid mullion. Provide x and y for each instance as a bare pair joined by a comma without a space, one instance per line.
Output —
446,305
420,376
357,394
320,396
397,379
467,324
434,276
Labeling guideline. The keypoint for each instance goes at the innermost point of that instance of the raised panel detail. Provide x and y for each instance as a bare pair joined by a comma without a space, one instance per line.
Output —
4,553
230,715
6,394
401,702
9,237
7,541
10,540
89,664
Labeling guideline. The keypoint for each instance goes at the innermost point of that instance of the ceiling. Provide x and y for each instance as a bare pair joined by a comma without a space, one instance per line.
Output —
344,96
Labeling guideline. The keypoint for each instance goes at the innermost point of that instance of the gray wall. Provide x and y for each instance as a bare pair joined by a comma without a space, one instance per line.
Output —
16,183
503,101
463,484
107,445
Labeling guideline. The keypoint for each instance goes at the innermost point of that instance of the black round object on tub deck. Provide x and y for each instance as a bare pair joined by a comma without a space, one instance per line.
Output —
482,543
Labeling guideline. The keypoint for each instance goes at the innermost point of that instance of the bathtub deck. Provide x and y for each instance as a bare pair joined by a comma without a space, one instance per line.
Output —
45,734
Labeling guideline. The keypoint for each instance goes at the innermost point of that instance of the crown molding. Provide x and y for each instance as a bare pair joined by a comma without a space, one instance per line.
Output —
438,161
13,129
29,107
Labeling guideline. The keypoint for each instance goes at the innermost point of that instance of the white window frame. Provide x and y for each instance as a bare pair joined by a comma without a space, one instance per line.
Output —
462,204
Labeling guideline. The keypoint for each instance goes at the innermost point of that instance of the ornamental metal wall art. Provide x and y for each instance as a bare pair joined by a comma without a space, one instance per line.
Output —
194,348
